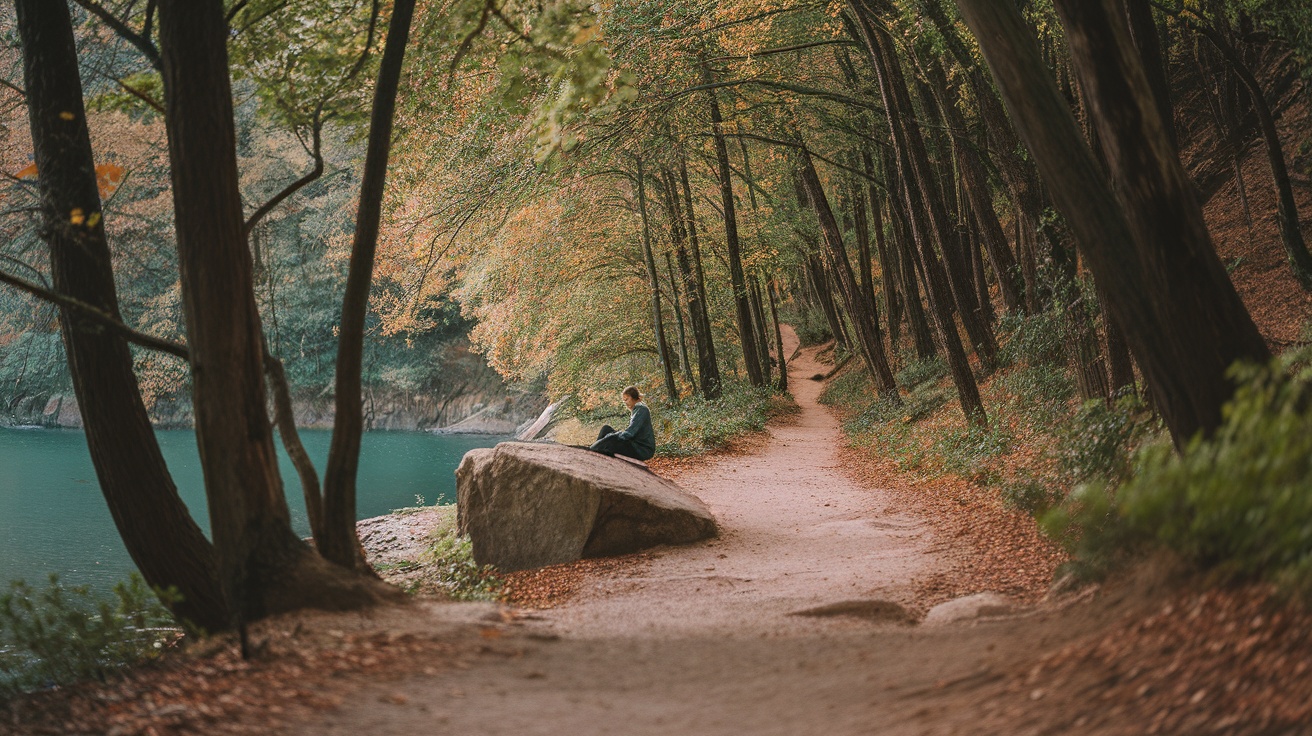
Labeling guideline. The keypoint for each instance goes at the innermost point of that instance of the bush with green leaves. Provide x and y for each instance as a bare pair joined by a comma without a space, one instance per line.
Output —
1239,503
1034,340
1100,438
1041,393
62,634
696,425
450,557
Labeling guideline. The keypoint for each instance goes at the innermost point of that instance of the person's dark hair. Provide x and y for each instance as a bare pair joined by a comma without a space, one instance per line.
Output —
632,392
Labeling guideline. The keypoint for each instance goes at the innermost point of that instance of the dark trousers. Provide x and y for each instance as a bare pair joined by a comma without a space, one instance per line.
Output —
613,445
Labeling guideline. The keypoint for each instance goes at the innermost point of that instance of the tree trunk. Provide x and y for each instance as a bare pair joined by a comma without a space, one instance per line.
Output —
758,323
658,319
685,364
921,333
888,261
163,540
708,371
865,322
936,282
1151,254
778,337
1143,31
911,147
341,543
262,566
1291,233
742,306
695,243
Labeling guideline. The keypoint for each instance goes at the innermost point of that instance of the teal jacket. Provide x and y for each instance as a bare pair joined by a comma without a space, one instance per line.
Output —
639,432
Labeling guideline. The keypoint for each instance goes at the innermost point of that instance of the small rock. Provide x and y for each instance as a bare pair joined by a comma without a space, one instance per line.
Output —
979,605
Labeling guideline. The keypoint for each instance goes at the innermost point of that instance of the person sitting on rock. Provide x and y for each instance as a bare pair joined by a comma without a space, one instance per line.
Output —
637,441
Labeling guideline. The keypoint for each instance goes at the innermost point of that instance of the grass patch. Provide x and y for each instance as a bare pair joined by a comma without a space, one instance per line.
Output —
62,634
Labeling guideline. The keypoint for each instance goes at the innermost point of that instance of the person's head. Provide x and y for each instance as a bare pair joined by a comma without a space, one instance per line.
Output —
631,396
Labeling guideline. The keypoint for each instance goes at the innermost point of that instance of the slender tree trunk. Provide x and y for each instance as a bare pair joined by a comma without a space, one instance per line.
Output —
778,337
1151,254
1143,30
888,261
163,540
865,322
695,242
708,371
815,270
922,335
977,267
678,320
936,282
742,306
911,146
262,565
658,319
341,544
1291,233
758,323
861,226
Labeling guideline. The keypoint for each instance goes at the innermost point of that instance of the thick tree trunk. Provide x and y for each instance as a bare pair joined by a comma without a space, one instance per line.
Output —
653,276
1151,254
1143,30
163,540
865,322
263,567
742,305
341,544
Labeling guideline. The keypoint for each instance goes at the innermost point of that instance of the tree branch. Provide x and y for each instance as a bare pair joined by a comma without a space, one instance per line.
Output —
786,49
96,315
290,189
143,44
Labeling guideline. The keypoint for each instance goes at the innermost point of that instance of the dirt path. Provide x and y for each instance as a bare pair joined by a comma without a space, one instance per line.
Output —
703,640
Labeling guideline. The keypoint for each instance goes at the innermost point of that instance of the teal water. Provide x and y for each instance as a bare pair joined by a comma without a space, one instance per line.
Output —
54,519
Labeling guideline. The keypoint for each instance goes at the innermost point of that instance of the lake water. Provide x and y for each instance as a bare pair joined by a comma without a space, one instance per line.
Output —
53,517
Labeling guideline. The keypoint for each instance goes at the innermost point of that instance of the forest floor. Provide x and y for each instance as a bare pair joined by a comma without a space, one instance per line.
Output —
804,616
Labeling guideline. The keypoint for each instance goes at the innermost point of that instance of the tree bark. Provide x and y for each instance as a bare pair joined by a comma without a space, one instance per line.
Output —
165,543
263,566
865,322
778,337
888,261
1151,254
922,335
341,544
742,306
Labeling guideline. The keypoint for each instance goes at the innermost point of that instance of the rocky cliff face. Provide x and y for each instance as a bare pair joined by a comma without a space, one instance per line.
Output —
474,398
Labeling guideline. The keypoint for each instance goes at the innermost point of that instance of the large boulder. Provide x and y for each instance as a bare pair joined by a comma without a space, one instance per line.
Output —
527,505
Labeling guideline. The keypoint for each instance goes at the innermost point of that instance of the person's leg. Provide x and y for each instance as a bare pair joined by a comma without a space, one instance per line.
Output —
605,430
626,448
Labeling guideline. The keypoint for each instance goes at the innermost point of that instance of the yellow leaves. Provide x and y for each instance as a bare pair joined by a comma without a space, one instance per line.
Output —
77,217
66,115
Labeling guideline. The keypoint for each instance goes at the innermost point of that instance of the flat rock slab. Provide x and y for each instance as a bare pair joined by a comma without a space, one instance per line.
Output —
979,605
527,504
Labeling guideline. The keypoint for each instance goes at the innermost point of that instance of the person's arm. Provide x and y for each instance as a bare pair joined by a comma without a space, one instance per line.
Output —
641,416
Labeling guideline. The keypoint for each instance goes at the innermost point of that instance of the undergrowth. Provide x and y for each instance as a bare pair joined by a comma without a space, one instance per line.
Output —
62,634
696,425
450,561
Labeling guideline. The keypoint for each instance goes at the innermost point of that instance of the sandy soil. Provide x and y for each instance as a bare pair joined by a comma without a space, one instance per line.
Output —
706,639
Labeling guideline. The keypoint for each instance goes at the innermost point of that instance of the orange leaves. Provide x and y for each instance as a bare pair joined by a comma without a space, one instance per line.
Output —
108,179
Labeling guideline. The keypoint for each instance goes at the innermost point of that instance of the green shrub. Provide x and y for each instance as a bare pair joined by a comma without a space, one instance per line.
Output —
1098,441
1034,339
64,634
1041,393
696,425
1029,494
450,558
811,326
1238,503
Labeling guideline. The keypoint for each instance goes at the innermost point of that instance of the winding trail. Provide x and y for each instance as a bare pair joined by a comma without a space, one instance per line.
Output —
704,640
